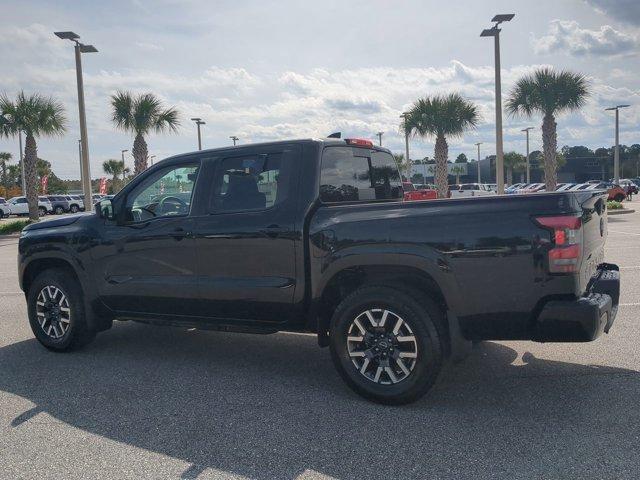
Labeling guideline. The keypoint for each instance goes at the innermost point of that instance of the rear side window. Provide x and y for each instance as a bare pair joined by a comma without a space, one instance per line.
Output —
252,182
351,174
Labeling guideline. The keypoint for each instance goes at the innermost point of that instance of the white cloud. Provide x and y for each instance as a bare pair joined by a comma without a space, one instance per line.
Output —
568,36
627,11
149,47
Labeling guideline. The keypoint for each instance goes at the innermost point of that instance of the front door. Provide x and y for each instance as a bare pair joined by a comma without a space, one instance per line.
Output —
245,239
147,263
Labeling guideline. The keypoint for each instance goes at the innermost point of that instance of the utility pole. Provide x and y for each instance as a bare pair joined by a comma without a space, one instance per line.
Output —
80,158
616,154
379,134
86,170
478,145
406,140
495,33
526,130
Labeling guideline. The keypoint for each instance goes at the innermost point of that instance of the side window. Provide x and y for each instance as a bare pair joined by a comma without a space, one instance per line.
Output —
251,182
356,174
167,193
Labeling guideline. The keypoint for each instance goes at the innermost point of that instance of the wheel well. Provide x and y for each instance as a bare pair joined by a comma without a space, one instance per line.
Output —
40,265
408,279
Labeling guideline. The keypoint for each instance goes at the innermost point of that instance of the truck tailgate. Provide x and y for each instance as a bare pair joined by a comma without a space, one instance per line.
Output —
594,233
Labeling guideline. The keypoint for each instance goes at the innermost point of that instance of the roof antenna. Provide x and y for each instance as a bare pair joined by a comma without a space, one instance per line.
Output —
335,135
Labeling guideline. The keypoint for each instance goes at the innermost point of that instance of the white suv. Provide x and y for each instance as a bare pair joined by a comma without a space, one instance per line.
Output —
19,206
5,208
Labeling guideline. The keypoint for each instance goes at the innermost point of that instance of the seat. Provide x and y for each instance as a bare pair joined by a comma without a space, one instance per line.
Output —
243,193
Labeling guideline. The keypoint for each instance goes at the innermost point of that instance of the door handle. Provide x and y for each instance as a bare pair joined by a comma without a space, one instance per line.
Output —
180,233
273,231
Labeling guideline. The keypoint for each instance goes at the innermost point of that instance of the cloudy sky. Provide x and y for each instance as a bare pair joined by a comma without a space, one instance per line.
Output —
266,70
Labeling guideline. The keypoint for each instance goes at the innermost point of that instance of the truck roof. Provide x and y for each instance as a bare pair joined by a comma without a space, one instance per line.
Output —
324,141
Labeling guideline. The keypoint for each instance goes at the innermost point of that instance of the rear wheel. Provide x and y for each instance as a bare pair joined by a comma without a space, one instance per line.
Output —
42,211
385,344
56,311
74,209
619,197
59,210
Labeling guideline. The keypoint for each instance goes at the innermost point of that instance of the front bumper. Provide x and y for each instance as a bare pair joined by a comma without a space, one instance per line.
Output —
583,319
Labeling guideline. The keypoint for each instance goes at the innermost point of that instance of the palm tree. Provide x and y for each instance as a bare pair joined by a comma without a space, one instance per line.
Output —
36,116
441,116
115,168
457,170
513,162
4,177
141,115
549,93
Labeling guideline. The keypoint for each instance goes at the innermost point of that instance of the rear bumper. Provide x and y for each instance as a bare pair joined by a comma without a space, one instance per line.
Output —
583,319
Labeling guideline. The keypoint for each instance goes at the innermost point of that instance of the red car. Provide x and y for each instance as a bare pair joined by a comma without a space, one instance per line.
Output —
411,194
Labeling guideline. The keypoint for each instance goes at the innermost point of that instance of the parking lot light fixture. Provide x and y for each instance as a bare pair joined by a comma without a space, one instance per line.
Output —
526,130
616,154
235,139
495,33
151,158
379,134
198,123
478,145
85,171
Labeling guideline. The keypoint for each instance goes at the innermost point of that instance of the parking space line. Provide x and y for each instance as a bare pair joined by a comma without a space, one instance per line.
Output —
624,233
629,304
636,267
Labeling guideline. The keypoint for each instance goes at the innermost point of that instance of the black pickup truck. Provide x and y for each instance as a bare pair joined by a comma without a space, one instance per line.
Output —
314,236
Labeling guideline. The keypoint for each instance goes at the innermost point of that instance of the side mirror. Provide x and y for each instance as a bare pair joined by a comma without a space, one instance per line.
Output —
105,210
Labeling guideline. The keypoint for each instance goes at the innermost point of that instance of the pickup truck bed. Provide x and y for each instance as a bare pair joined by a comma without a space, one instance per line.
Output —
314,236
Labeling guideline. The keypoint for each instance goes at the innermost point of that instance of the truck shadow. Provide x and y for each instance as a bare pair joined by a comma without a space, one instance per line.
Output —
273,407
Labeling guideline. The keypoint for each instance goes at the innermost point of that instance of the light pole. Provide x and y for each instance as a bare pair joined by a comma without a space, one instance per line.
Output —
379,134
235,139
24,180
406,138
151,158
616,154
80,157
478,145
495,33
122,152
85,171
198,123
526,130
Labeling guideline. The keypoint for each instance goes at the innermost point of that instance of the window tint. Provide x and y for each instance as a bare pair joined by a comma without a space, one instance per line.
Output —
166,193
252,182
358,174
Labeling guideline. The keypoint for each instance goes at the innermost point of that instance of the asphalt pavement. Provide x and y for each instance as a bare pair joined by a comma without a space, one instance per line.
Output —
159,402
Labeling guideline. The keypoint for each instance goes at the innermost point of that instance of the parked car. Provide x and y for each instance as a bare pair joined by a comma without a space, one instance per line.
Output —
628,185
411,193
563,187
20,207
514,188
5,208
59,204
471,190
76,204
614,192
314,236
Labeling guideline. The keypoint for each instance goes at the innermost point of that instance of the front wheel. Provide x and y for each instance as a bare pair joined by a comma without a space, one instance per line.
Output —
385,344
619,197
59,210
42,211
56,311
74,209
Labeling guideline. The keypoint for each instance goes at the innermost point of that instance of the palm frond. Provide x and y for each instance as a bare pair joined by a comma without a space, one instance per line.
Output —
122,113
34,114
167,121
449,115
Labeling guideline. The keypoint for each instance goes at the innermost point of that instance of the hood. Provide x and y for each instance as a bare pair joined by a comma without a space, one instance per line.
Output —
57,222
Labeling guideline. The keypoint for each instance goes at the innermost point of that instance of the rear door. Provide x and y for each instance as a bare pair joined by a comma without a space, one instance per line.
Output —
245,237
594,232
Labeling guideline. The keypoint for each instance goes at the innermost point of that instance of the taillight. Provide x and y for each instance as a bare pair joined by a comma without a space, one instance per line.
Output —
360,142
564,256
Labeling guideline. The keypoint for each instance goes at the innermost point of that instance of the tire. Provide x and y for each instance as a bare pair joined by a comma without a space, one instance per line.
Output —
619,198
74,209
69,329
42,211
421,357
58,210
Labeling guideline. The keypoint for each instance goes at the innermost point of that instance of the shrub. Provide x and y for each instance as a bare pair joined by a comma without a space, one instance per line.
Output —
613,205
12,227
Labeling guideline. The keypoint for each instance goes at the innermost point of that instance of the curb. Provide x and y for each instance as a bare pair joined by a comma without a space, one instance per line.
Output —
620,211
